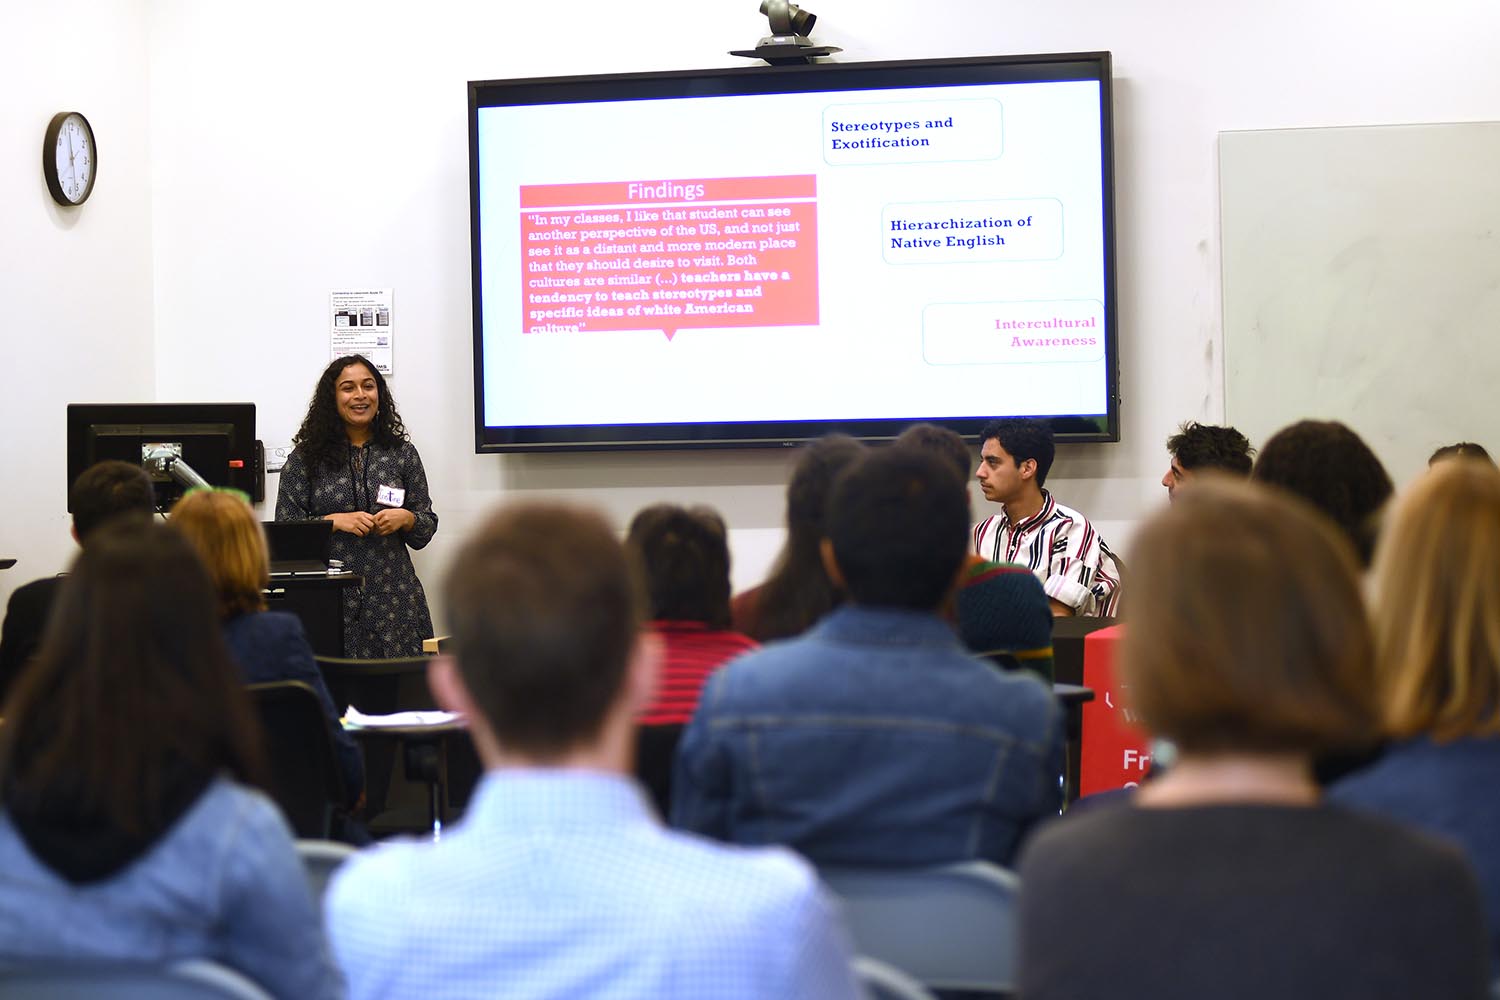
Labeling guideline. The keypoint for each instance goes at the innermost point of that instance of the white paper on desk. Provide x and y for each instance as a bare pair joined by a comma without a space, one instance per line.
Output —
354,717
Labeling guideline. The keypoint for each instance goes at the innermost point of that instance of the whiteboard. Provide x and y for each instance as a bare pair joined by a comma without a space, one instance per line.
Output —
1361,278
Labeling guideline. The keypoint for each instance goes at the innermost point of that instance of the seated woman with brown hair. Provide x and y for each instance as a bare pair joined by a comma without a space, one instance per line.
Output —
1248,646
125,835
1437,657
267,645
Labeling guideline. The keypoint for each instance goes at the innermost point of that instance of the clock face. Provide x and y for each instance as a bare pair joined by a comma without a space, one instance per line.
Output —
69,158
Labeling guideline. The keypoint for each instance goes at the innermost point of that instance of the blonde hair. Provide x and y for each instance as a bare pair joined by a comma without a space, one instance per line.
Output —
1247,630
1437,623
224,531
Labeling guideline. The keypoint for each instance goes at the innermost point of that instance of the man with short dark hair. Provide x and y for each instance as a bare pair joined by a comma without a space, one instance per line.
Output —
1057,543
1196,447
559,882
101,493
1000,609
875,738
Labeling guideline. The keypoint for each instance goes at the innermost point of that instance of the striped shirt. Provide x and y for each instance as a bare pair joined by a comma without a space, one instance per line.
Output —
693,652
1064,551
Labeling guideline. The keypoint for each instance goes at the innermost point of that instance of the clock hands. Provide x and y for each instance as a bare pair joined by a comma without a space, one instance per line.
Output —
72,167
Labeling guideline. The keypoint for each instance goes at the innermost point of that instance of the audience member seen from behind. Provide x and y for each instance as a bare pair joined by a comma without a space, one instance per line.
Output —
355,465
1460,449
101,493
1199,447
1000,609
125,836
559,882
1331,467
685,557
798,592
1057,543
267,645
1248,646
875,738
1437,656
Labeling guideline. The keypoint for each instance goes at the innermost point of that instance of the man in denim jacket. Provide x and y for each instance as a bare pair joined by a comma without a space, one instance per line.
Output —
876,738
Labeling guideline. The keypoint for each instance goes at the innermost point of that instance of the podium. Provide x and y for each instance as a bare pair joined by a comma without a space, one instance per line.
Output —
317,599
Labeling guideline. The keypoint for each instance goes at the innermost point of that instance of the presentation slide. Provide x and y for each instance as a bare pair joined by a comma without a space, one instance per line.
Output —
837,255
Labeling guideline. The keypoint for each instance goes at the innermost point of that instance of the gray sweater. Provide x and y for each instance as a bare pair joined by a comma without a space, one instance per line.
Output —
1246,901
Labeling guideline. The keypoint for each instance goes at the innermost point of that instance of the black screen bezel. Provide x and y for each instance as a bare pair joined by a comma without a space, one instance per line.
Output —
1093,66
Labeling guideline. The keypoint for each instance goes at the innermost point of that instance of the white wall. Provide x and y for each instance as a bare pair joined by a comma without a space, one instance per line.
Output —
75,283
300,147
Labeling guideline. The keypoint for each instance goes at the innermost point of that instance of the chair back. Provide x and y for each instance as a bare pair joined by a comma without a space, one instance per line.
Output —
305,778
384,686
886,982
320,859
655,753
377,687
951,927
198,979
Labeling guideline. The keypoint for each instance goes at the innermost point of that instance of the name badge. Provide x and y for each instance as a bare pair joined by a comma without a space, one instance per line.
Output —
390,496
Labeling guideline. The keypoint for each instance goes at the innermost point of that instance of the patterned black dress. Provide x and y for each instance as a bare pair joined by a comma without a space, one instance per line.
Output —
388,616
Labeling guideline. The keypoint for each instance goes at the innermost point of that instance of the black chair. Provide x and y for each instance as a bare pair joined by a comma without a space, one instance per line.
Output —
304,772
655,750
445,764
377,687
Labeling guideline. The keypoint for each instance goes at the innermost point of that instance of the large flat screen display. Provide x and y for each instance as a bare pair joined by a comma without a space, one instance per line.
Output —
759,256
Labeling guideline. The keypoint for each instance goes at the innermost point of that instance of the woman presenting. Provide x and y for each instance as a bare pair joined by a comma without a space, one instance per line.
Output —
354,465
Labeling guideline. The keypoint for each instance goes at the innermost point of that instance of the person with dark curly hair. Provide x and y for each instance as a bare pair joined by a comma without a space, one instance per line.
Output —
353,464
1325,463
1460,449
1196,447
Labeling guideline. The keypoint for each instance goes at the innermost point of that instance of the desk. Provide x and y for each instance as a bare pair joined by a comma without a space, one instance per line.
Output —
424,759
1068,634
317,599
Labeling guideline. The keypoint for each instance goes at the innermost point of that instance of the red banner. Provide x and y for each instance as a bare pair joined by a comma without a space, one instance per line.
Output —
1115,753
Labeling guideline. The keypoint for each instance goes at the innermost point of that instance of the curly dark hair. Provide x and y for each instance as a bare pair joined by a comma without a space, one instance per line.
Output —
940,441
1461,449
684,555
1205,446
1330,466
322,439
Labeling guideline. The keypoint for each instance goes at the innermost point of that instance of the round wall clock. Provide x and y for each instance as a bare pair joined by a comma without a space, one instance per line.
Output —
70,160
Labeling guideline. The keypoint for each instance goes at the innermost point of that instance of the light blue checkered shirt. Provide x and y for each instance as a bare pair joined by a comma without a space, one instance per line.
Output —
562,884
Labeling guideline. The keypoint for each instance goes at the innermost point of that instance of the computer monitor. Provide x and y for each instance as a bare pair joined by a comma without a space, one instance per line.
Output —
216,440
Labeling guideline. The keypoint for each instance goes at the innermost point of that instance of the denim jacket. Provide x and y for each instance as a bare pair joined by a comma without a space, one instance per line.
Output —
873,739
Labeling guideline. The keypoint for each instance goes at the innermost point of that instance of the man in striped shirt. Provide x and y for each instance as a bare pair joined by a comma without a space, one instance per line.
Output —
1057,543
